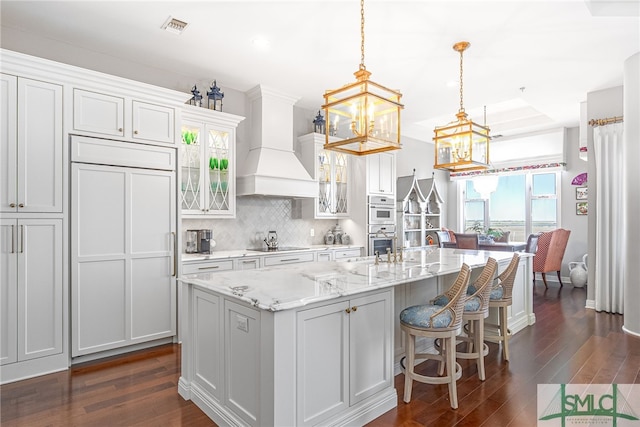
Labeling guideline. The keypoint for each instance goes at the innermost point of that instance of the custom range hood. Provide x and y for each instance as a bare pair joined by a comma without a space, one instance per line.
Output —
271,167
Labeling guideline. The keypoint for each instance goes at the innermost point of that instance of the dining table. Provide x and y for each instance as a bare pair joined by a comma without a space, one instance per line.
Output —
495,246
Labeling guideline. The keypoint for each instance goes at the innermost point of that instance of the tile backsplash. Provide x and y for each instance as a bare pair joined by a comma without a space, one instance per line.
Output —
255,216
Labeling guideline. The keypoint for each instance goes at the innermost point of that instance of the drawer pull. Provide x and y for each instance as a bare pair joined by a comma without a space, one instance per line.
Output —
290,259
213,267
248,262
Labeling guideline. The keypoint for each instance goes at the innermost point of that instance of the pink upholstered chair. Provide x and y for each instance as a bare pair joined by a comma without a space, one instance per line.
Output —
548,257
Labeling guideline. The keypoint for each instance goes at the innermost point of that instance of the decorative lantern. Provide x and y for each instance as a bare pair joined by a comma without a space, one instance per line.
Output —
216,96
462,144
196,99
319,124
364,116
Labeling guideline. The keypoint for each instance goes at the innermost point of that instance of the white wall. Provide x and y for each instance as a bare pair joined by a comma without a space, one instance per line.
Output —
632,192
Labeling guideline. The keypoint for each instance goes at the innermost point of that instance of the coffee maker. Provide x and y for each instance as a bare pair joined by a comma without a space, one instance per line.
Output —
192,241
205,239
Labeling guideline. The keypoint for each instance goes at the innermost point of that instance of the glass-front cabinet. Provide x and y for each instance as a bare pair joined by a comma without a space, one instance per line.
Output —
332,172
208,164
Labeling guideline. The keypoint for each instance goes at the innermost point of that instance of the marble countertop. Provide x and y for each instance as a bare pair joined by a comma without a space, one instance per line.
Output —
240,253
296,285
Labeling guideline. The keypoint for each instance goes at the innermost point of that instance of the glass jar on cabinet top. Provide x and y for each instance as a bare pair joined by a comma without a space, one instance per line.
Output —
332,172
208,163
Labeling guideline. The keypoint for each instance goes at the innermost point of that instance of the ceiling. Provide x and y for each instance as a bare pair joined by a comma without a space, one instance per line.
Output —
530,63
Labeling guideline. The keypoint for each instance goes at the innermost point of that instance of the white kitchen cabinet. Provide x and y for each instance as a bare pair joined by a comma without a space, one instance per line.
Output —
381,173
332,171
31,146
208,163
208,266
351,341
347,253
31,303
100,114
289,258
123,269
326,364
324,256
243,263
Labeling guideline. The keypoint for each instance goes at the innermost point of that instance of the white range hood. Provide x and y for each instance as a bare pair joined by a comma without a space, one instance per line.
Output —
271,167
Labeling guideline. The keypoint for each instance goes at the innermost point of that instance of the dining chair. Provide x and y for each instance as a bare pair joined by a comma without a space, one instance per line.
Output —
467,240
548,257
443,236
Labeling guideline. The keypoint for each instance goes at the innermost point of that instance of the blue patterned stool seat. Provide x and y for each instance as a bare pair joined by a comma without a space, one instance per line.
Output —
496,293
419,316
472,304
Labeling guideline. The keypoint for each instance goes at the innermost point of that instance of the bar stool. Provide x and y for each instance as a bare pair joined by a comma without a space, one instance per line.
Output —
500,297
476,309
435,322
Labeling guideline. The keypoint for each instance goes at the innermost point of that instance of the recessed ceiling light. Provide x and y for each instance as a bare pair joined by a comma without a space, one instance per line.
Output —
174,26
260,42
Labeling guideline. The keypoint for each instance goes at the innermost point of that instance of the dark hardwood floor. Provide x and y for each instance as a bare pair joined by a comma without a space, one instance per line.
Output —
568,344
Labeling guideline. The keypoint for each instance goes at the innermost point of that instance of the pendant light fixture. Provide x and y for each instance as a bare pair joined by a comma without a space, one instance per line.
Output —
461,145
362,117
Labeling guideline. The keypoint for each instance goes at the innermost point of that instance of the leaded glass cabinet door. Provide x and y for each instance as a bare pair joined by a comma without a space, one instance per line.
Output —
332,172
208,173
220,171
191,181
341,183
324,176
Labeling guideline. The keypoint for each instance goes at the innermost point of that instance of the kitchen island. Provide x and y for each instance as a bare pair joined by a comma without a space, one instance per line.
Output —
313,343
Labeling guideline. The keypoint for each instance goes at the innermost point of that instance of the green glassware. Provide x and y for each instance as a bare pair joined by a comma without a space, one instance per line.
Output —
213,163
224,163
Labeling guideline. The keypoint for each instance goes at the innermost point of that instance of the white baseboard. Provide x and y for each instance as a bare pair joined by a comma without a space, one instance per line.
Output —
591,303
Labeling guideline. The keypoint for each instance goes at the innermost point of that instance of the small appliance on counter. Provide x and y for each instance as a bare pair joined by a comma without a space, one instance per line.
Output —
200,241
191,242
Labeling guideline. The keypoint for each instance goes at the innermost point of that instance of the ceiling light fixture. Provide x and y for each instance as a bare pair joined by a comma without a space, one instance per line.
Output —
462,144
362,117
174,26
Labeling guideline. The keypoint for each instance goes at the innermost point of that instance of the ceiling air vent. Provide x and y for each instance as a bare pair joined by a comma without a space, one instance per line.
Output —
174,26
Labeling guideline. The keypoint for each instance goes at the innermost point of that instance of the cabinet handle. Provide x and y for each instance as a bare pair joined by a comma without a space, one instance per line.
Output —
175,255
119,129
354,308
290,259
135,132
13,243
21,239
348,310
12,205
21,205
248,262
213,267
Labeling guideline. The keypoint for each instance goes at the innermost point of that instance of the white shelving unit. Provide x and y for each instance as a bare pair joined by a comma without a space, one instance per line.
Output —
419,207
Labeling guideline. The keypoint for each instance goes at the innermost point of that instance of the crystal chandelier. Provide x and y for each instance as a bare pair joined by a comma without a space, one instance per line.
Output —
362,117
461,144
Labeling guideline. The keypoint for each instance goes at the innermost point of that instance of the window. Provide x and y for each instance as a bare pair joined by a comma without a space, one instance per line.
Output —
522,204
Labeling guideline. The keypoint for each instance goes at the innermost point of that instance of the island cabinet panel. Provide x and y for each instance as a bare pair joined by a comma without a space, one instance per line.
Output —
207,346
343,355
242,359
323,357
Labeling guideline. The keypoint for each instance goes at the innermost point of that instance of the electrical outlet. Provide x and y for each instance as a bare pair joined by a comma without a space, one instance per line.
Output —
312,232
